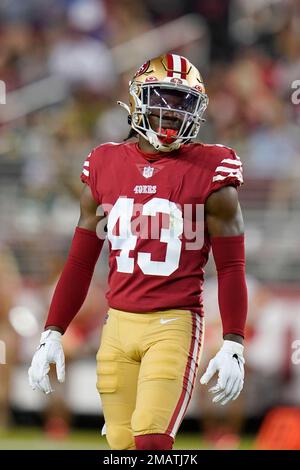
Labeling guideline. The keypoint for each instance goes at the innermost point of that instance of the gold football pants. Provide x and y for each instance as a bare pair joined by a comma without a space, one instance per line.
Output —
146,370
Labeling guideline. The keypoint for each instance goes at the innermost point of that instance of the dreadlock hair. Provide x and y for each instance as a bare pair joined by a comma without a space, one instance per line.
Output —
132,133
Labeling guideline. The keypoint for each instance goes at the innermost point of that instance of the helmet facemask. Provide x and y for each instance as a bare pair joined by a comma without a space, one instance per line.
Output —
167,114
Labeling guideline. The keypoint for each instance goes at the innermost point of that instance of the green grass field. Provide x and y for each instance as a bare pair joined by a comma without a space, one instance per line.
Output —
34,439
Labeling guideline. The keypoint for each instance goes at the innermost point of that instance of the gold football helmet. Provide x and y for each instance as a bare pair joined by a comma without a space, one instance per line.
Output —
169,88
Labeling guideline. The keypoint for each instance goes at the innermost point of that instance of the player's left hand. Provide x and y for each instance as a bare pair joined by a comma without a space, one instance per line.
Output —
229,363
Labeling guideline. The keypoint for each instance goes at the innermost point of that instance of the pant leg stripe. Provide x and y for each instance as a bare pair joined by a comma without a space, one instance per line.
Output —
189,376
195,371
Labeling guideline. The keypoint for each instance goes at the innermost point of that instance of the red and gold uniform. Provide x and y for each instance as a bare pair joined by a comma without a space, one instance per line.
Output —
149,274
151,343
153,208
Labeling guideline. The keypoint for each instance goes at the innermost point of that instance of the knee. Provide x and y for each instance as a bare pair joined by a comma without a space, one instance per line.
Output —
120,438
154,442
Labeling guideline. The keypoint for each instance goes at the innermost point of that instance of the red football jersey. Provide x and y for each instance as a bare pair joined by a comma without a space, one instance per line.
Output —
157,235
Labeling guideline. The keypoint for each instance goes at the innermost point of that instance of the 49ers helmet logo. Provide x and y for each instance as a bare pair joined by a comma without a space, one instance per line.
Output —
143,68
199,88
177,81
151,79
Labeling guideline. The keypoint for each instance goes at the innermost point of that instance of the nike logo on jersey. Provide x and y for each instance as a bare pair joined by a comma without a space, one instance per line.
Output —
167,320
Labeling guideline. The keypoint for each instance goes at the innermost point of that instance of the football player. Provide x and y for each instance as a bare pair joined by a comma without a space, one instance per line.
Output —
151,343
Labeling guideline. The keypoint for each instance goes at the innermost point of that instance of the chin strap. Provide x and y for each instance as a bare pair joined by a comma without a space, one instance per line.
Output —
160,143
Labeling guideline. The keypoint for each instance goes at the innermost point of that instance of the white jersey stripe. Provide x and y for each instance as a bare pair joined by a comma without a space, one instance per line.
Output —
86,163
191,377
85,172
226,169
222,178
176,66
232,162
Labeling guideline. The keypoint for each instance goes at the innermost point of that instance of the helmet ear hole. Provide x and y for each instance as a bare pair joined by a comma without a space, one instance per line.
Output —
129,119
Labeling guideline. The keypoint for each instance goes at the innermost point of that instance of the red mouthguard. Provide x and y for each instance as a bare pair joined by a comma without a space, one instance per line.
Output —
169,135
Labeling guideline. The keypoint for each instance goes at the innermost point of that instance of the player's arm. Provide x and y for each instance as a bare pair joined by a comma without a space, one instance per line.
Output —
69,295
75,279
88,208
226,229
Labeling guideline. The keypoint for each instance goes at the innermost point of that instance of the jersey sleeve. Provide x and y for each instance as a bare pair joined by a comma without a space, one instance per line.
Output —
228,171
89,174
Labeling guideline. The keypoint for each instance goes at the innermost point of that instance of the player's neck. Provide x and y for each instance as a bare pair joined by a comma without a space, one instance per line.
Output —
148,149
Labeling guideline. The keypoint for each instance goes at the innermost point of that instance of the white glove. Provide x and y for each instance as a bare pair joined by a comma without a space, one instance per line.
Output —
229,363
50,351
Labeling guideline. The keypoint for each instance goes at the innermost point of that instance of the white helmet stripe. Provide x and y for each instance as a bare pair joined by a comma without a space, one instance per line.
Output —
176,66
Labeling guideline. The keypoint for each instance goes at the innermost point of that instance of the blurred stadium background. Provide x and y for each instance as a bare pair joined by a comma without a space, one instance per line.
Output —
65,63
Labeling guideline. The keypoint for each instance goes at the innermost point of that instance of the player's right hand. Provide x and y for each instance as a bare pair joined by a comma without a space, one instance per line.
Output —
49,351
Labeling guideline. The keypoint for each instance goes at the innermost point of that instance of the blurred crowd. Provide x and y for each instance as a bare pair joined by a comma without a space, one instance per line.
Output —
65,63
